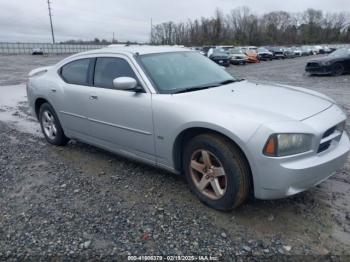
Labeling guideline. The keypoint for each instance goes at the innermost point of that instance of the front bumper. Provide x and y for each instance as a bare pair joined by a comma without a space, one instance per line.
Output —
297,176
278,55
265,56
320,70
278,177
235,60
252,60
223,62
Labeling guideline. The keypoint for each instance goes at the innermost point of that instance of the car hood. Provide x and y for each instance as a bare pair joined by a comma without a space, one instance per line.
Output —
264,53
238,55
263,101
325,59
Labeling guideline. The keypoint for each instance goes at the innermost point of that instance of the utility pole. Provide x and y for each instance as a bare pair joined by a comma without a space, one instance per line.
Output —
113,38
50,15
151,32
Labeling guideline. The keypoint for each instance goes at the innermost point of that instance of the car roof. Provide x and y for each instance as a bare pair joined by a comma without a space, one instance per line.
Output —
137,49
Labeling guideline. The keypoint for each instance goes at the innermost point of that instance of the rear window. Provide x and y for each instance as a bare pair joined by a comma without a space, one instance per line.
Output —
76,72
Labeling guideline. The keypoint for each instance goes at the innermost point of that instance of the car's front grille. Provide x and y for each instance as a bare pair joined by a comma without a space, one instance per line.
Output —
324,146
312,64
220,58
329,132
332,134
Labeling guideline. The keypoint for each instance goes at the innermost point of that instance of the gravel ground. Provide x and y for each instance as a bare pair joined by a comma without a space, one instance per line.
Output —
82,202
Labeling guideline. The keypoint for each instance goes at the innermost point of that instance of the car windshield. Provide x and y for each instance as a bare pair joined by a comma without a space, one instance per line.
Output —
174,72
262,49
236,51
219,51
340,52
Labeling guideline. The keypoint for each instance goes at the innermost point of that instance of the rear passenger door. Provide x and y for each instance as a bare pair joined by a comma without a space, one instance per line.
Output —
120,119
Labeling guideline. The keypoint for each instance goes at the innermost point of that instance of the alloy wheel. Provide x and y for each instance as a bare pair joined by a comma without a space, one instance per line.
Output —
338,70
208,174
49,125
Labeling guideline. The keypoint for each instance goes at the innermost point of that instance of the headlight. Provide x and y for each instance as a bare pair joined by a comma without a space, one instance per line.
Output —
326,63
287,144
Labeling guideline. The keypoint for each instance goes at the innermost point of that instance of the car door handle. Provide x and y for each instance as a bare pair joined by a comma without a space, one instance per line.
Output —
53,90
93,97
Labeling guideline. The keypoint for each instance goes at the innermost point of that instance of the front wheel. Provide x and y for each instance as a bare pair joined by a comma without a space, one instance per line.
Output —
337,69
216,171
50,126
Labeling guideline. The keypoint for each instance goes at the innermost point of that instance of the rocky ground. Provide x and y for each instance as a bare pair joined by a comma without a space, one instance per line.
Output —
83,202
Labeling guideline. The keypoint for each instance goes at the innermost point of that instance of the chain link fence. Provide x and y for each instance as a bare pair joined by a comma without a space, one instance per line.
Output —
46,48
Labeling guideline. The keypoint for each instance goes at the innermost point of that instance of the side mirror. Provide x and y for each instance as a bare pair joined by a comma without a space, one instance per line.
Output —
124,83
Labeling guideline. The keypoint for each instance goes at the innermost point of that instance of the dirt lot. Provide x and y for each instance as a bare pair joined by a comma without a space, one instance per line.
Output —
79,201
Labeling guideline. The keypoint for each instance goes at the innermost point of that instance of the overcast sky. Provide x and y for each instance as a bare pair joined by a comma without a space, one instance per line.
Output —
130,19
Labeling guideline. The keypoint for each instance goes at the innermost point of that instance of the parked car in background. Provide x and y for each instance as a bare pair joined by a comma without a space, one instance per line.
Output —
277,52
219,56
306,50
288,52
225,47
37,51
264,54
316,49
251,48
327,50
205,49
237,57
198,49
252,56
336,63
297,51
173,108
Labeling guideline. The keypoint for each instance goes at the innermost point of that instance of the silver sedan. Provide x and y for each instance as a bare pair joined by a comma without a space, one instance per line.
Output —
175,109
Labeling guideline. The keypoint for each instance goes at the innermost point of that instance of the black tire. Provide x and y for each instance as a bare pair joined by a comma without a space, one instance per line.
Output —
236,168
337,69
59,139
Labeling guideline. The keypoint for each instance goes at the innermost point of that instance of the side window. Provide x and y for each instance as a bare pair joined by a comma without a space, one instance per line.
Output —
109,68
76,72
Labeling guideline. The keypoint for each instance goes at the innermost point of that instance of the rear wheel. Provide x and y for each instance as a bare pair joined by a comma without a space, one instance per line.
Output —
337,69
51,126
217,172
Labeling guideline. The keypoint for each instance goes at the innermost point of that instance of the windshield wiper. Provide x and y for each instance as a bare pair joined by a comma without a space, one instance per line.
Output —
196,88
226,82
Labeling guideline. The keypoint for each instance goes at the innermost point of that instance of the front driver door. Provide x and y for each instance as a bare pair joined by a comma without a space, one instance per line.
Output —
120,120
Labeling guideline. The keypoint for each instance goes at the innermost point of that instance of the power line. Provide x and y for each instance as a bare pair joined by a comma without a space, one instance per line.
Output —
50,15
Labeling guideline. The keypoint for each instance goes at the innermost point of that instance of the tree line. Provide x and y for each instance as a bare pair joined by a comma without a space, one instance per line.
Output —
95,41
242,27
